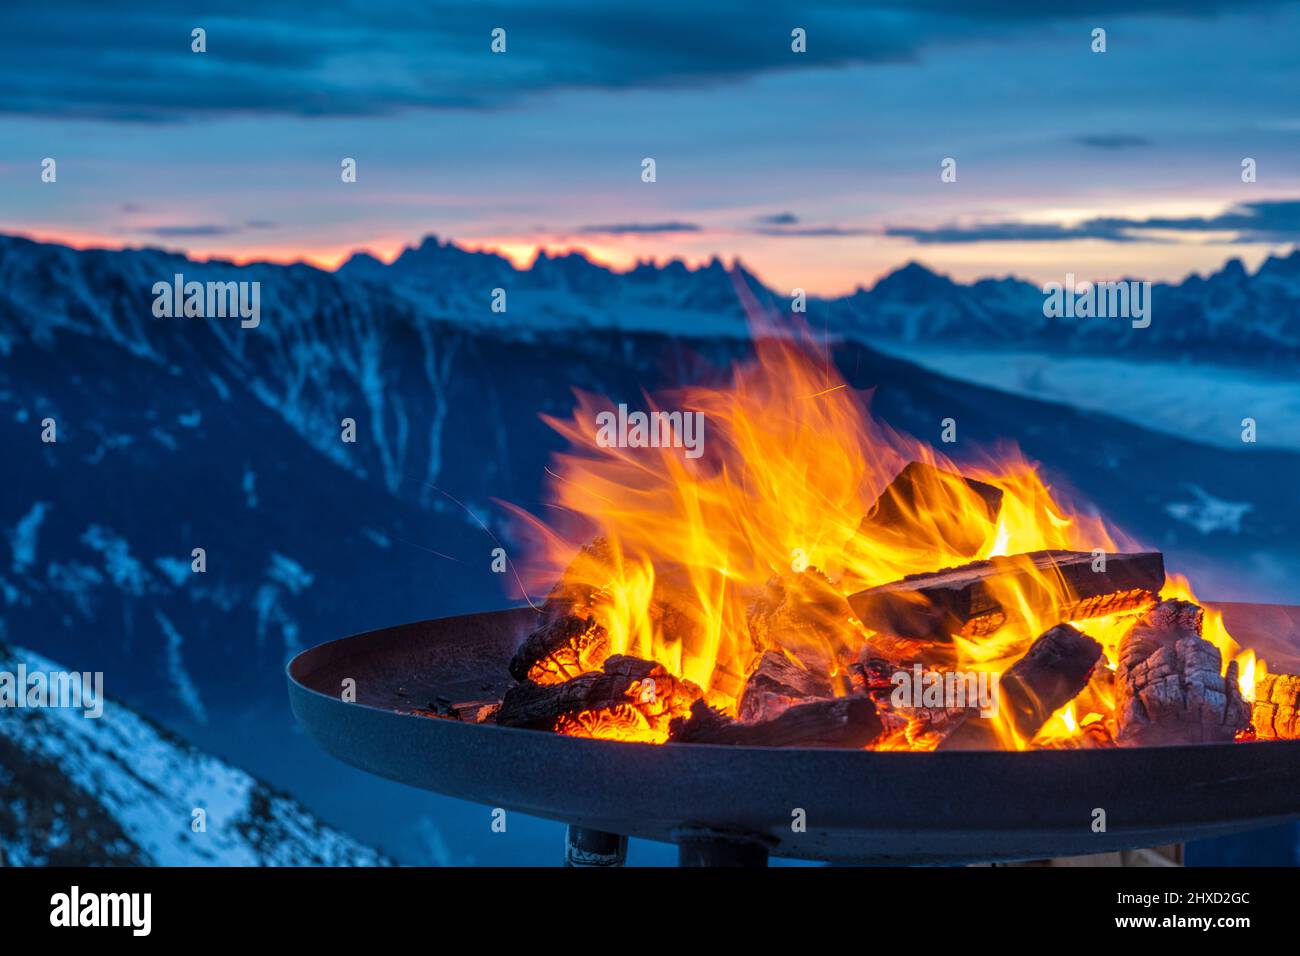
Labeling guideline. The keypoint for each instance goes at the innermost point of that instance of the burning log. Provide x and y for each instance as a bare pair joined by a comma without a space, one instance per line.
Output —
934,495
840,722
776,684
568,640
559,650
872,675
1169,684
1276,712
805,615
1095,735
964,600
641,693
1050,674
908,721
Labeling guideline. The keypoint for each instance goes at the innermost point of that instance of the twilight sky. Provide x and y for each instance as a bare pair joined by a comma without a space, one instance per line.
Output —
819,170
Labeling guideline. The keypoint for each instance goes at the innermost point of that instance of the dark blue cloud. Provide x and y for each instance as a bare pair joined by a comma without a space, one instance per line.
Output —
77,58
787,224
632,228
1264,221
811,232
200,231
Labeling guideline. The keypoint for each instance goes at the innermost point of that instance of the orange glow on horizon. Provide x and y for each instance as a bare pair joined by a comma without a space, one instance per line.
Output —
826,268
327,258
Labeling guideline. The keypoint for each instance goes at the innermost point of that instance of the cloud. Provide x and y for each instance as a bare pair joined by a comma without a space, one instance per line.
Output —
639,228
200,231
787,224
806,232
1113,141
84,58
1275,220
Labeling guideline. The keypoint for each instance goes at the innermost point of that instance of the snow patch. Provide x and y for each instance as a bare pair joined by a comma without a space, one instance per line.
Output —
180,678
77,582
22,539
1208,514
174,569
290,573
124,570
250,487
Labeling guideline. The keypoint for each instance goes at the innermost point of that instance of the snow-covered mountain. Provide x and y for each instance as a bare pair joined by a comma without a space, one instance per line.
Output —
1230,314
120,790
565,291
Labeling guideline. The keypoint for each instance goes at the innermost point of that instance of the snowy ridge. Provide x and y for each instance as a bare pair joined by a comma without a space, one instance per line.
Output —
126,792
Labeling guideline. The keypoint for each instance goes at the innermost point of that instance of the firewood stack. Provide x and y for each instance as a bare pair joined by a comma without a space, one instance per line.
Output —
827,657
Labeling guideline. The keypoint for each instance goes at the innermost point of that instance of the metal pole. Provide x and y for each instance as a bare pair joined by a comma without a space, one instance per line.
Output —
584,847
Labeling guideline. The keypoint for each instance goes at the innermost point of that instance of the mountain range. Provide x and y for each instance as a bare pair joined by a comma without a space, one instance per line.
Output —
1228,314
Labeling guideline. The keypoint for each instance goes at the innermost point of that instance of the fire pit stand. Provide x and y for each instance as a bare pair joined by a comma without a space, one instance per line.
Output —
734,805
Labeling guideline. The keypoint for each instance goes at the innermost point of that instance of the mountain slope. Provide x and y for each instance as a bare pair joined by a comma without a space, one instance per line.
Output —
120,790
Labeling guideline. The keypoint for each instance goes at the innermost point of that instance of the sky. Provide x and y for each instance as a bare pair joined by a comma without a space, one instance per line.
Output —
819,170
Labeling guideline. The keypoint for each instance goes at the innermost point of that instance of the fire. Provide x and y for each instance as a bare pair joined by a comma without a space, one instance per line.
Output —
792,462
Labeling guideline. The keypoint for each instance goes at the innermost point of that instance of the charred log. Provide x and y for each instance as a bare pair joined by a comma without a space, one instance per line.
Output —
471,711
1169,684
568,640
919,495
916,724
873,676
776,684
561,649
841,722
964,601
1050,674
805,615
1096,735
1276,711
624,682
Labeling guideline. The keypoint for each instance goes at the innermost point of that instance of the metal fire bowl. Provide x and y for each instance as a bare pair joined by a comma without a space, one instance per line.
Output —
860,806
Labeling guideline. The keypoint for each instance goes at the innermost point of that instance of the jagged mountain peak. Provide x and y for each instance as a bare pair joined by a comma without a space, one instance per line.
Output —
911,280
